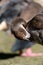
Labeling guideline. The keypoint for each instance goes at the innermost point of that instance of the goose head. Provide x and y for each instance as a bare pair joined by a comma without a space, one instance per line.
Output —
18,28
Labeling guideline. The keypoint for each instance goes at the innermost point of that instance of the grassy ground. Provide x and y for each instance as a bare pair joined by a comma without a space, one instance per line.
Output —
9,58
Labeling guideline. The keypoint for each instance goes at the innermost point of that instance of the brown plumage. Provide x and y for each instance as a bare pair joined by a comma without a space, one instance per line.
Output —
31,11
35,27
37,21
18,26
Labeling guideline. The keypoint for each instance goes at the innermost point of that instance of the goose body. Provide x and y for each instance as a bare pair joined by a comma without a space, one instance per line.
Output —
26,16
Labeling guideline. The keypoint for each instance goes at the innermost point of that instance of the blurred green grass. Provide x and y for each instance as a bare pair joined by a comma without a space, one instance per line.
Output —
6,43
